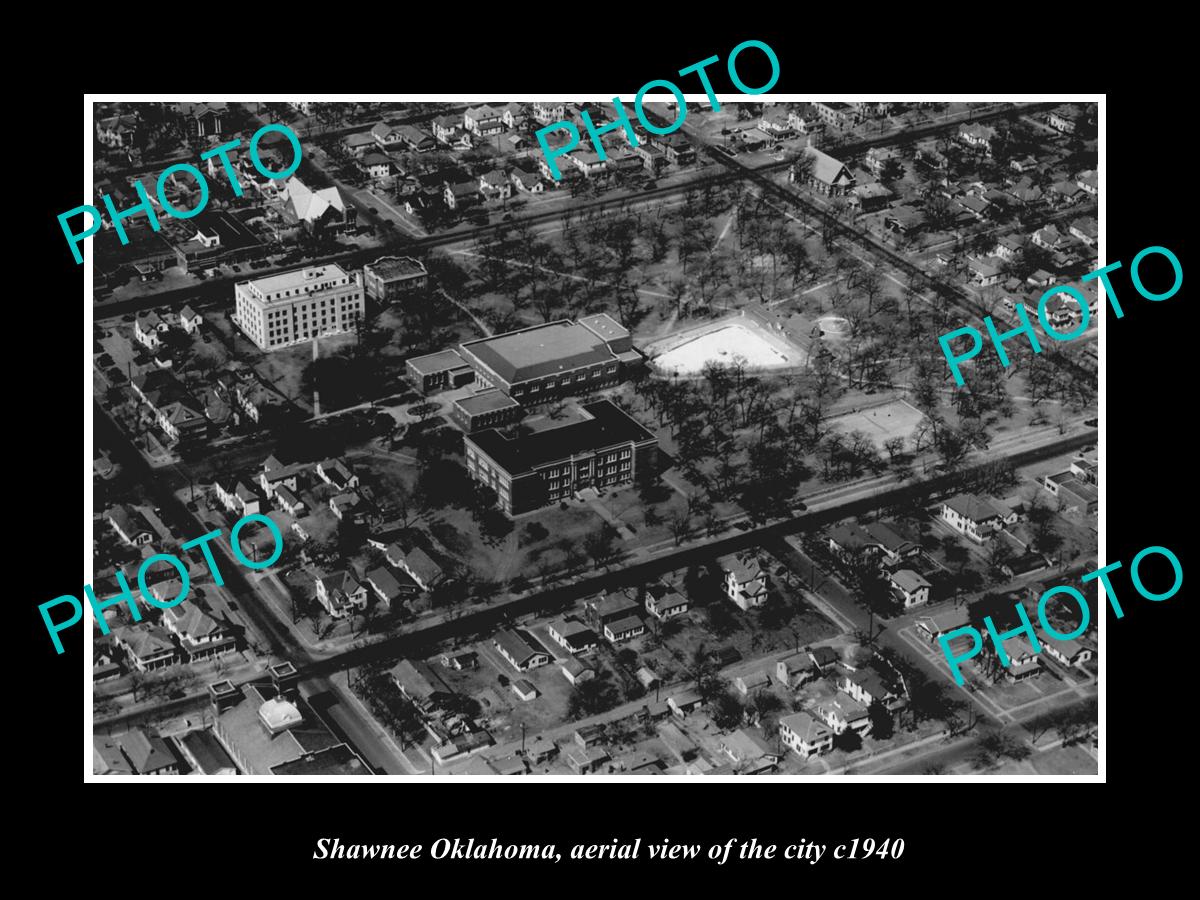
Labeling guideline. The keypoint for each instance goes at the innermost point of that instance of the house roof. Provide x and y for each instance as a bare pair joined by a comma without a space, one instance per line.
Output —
518,643
147,641
419,563
341,581
107,758
908,580
973,508
129,519
193,622
625,624
206,752
146,753
382,579
419,680
810,730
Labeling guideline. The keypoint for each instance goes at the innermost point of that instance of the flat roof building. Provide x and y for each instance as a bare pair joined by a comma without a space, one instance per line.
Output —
606,449
487,409
390,276
292,307
536,364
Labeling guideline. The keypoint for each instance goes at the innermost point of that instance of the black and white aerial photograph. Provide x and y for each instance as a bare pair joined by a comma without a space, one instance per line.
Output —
490,437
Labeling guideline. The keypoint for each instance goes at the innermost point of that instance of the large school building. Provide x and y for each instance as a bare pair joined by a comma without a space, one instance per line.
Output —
605,449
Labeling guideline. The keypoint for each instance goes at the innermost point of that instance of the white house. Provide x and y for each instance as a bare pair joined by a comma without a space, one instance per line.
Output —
910,587
805,735
972,516
745,581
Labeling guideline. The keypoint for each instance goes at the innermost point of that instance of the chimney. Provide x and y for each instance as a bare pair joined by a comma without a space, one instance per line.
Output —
224,694
286,678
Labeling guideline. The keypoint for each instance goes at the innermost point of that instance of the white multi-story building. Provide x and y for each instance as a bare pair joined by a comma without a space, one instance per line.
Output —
293,307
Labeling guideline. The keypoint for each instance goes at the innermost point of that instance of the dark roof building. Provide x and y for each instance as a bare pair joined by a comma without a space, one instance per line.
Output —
603,450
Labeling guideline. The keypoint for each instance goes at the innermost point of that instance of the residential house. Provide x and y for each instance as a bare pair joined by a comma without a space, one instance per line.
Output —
512,114
124,131
623,629
527,182
664,602
588,162
341,593
148,330
1089,181
376,165
824,658
286,500
747,747
870,197
583,762
976,136
866,687
148,647
524,690
495,185
104,664
795,669
576,672
1068,652
107,758
611,607
805,735
421,684
130,525
1050,238
684,702
387,137
461,660
200,635
748,684
419,566
1086,230
1022,658
201,120
841,115
359,143
572,635
745,580
190,320
842,712
877,539
1062,120
521,649
461,194
387,587
148,754
976,518
483,121
775,120
909,587
337,473
933,627
547,111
